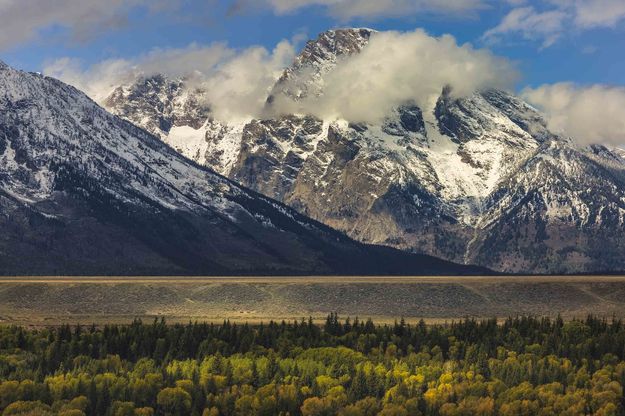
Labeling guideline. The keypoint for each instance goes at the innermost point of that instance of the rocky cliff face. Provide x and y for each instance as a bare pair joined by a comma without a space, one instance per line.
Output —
84,192
177,113
477,179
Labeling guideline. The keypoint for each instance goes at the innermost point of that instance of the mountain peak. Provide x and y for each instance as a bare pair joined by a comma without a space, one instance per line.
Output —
364,32
334,43
319,56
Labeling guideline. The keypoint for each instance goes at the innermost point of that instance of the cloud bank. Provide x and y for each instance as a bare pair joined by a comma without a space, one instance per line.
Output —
396,68
393,69
236,81
239,87
590,115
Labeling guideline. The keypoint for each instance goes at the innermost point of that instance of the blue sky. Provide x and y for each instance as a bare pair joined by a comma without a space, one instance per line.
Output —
585,55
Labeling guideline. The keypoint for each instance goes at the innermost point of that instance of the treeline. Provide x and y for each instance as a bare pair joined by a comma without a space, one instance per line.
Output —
523,366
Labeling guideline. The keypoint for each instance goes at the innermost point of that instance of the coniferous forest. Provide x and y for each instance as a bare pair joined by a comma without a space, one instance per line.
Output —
522,366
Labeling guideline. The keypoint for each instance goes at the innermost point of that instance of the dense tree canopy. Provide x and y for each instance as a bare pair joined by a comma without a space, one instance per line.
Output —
522,366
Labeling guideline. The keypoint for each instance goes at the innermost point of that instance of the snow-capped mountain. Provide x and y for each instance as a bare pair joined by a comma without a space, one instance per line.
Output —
84,192
178,114
477,179
169,109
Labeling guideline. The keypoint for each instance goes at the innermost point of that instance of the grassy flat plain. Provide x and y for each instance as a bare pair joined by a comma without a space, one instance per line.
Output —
39,301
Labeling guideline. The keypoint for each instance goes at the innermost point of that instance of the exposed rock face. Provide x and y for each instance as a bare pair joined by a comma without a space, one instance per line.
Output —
477,179
159,104
83,192
179,115
169,109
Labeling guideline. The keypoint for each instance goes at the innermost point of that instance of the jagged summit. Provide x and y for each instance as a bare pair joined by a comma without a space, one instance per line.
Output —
305,76
161,102
332,44
168,108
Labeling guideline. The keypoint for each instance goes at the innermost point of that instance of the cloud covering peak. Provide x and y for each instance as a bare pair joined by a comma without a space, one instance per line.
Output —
394,68
236,81
399,67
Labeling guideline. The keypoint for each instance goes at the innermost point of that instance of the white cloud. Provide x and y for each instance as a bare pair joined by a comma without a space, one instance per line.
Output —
241,85
598,13
593,114
236,81
371,9
555,18
399,67
531,25
393,69
98,81
24,20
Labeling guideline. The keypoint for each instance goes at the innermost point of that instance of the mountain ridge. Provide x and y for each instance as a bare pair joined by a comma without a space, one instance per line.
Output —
433,180
85,192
